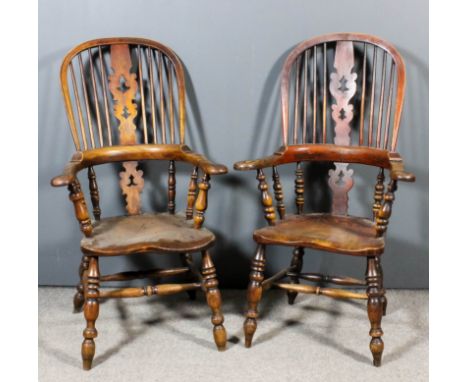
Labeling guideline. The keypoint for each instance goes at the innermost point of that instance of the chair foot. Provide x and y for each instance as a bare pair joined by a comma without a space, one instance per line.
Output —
213,298
375,310
254,294
91,312
250,326
296,263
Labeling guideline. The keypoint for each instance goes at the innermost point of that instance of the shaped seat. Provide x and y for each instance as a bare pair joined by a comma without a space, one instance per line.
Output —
124,235
341,234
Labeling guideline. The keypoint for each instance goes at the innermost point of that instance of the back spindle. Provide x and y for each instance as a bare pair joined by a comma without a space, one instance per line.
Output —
96,101
192,194
299,188
94,192
278,190
171,187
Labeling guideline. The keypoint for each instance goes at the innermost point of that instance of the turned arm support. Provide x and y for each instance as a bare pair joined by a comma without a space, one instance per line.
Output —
82,159
332,153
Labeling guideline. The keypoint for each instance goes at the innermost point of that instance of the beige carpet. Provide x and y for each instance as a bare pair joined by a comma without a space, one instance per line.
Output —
169,339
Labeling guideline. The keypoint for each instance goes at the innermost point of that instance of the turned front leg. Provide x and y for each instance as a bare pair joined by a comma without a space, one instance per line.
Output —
296,264
213,298
375,309
91,312
254,294
78,299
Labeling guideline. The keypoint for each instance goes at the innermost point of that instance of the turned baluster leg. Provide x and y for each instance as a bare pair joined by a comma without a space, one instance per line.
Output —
383,298
187,260
78,299
374,309
296,264
254,294
213,298
91,312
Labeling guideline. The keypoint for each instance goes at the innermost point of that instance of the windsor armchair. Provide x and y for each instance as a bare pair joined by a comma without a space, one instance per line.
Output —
319,81
127,104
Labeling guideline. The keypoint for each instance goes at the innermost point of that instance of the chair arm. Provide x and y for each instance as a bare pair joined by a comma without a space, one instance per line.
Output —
332,153
82,159
397,169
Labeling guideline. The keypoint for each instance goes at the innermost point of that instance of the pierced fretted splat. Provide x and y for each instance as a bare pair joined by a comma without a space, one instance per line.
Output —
342,88
123,86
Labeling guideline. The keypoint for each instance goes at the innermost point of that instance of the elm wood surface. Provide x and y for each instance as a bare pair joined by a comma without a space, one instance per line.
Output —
125,102
340,234
369,73
126,235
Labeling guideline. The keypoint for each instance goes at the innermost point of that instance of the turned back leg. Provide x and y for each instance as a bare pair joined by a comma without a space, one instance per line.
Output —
375,309
254,294
213,298
78,299
91,312
296,264
383,298
187,261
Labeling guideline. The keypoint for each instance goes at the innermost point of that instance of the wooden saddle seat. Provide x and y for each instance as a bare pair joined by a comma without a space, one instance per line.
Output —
341,234
163,232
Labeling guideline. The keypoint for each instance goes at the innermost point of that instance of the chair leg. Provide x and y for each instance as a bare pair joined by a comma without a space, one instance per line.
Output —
213,298
186,258
383,298
375,309
296,263
91,312
254,294
78,299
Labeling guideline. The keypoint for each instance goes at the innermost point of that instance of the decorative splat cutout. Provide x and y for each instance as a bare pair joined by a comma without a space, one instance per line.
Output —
342,88
123,86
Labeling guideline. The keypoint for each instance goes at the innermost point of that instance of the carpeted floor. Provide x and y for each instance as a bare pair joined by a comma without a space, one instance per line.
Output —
169,339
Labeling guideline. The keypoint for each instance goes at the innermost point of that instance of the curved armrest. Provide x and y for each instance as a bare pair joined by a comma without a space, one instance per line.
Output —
332,153
82,159
397,170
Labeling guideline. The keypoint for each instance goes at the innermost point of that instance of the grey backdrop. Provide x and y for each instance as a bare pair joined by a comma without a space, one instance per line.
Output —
233,52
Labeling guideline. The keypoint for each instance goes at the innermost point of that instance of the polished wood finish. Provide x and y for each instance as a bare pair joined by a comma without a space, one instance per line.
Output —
150,290
278,190
128,235
201,203
330,292
125,102
94,193
91,312
375,309
346,114
347,235
213,298
254,294
342,88
266,198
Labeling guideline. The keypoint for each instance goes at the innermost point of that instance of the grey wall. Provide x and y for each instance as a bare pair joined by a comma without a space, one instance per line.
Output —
233,52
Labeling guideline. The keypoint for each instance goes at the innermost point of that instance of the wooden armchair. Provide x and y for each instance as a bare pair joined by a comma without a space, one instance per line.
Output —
322,72
126,103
